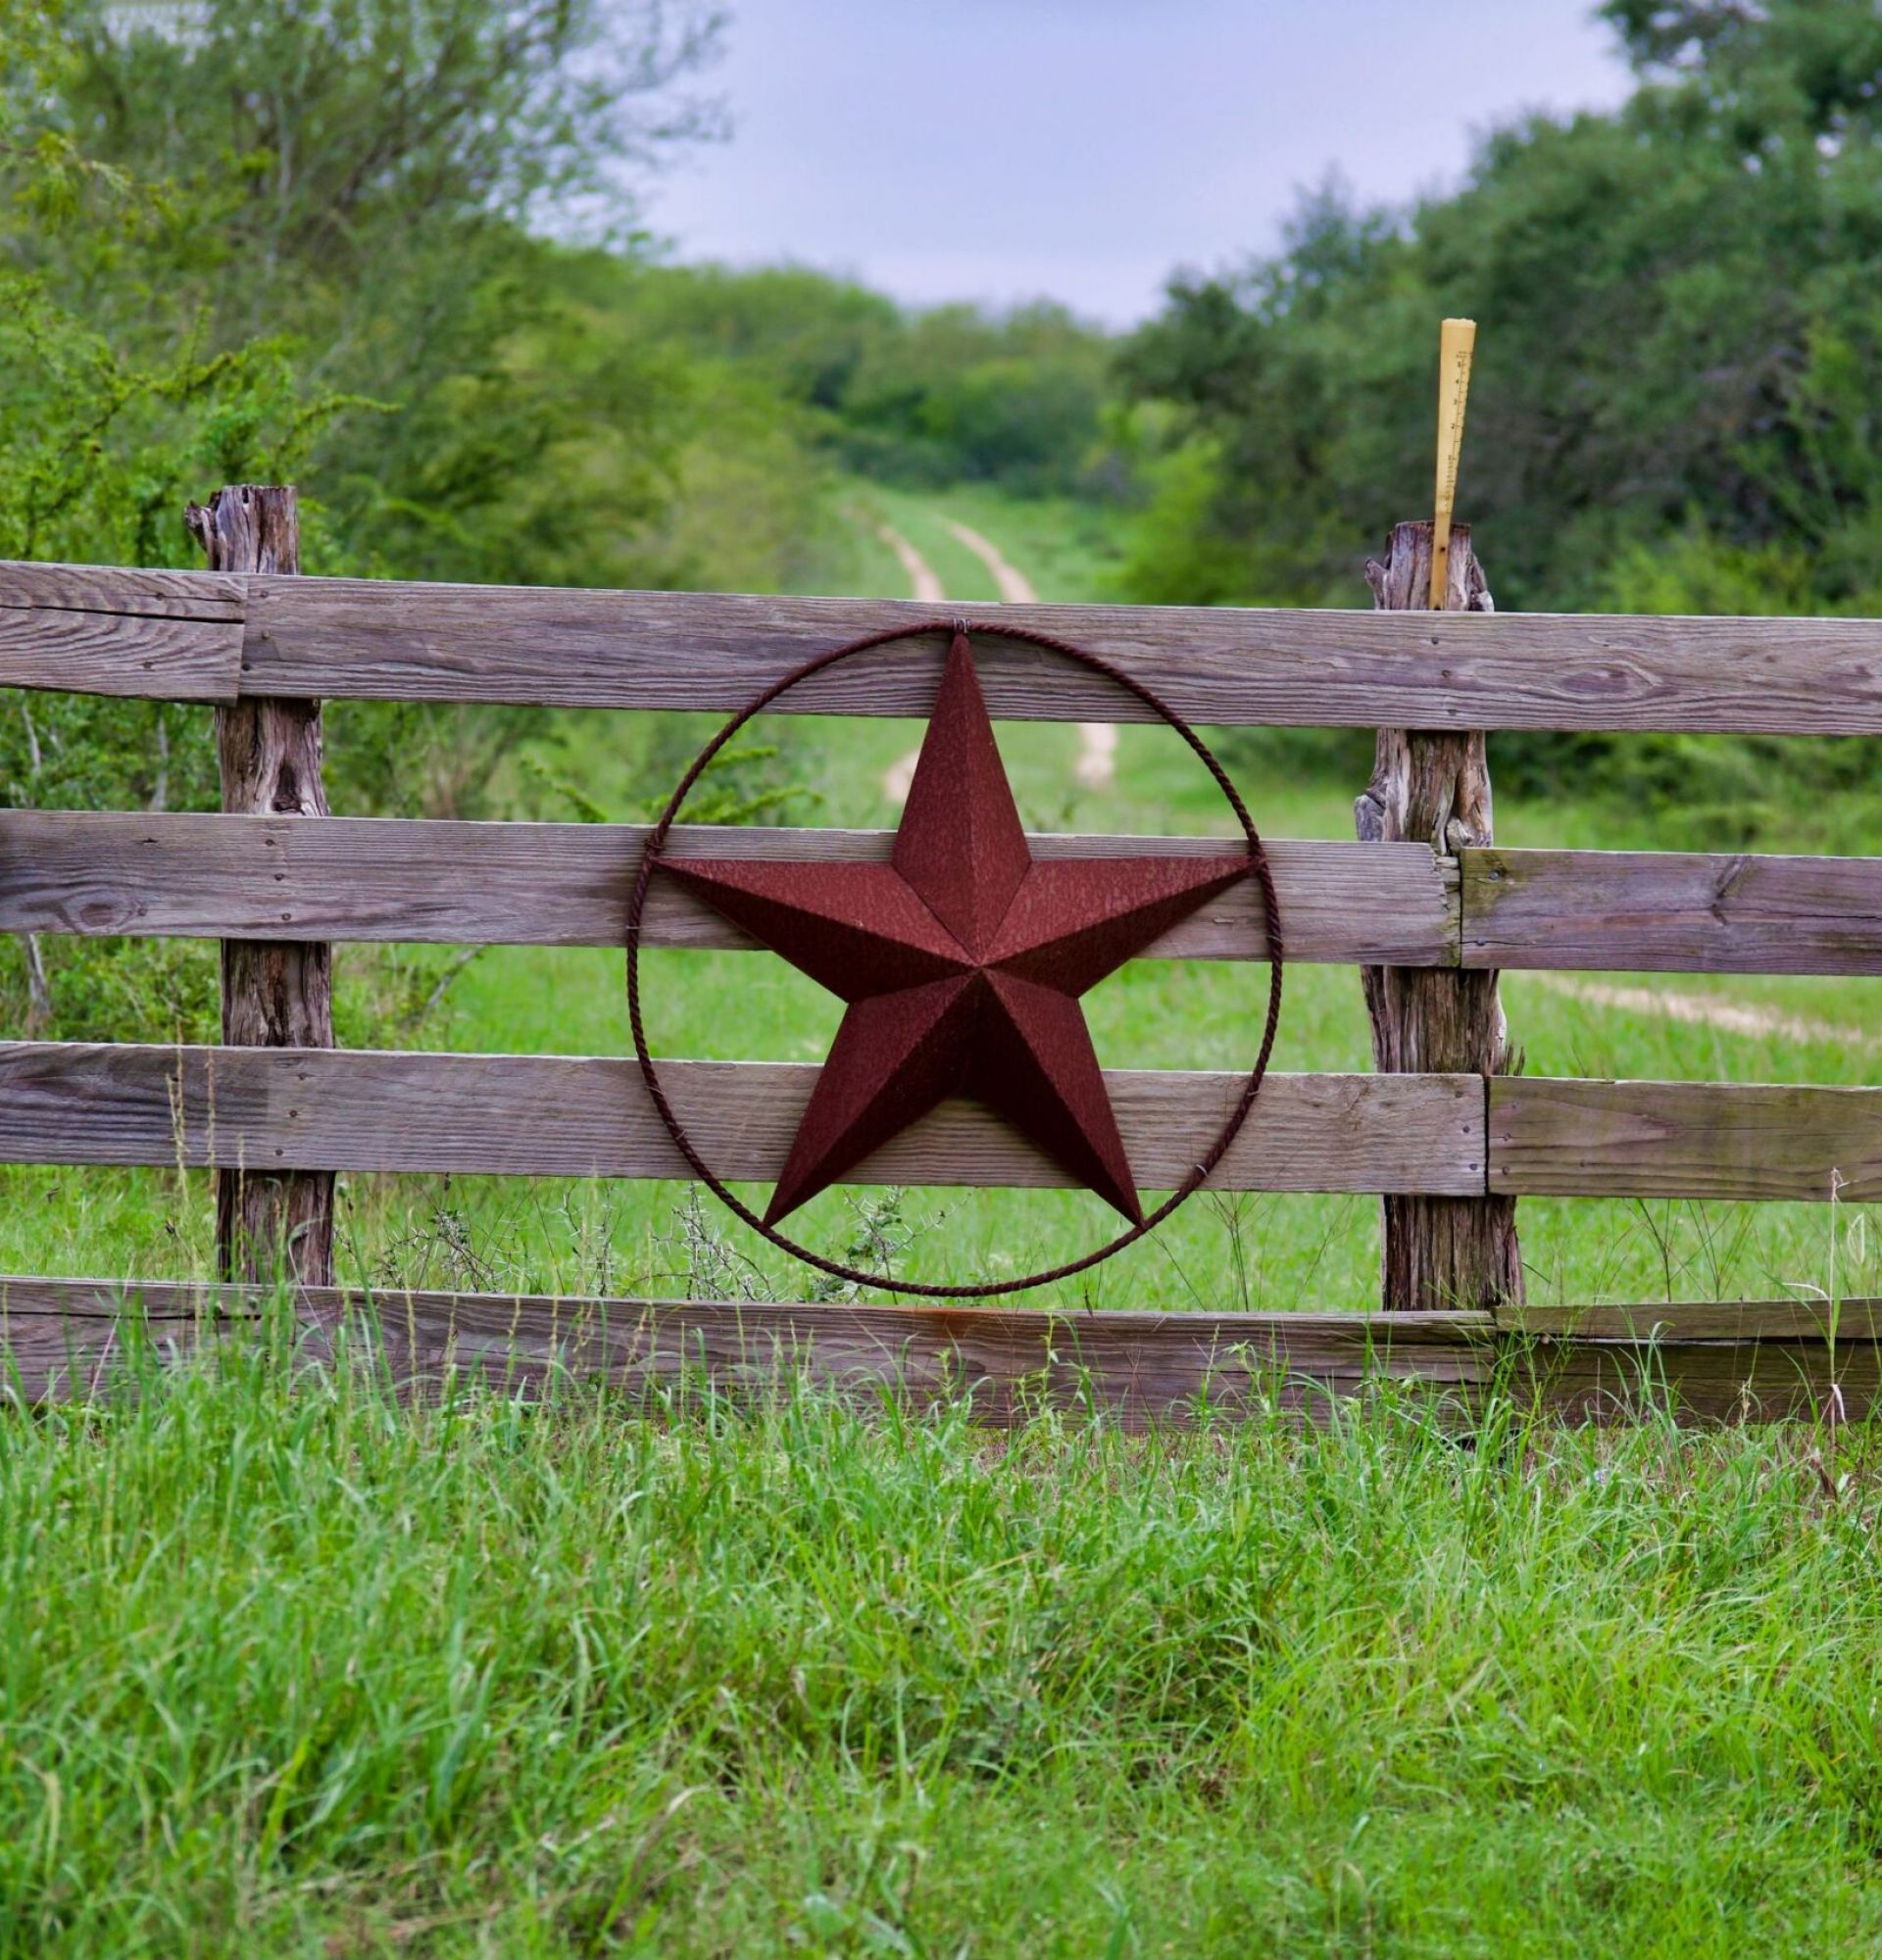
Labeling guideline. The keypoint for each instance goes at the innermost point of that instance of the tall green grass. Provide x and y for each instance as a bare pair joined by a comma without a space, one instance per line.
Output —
287,1668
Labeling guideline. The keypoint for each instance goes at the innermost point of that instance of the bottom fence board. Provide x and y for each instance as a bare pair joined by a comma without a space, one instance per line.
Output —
1762,1380
1704,1362
1689,1320
68,1337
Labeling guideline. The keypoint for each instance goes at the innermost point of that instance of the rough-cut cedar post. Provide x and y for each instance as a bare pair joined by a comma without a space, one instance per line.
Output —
275,994
1434,787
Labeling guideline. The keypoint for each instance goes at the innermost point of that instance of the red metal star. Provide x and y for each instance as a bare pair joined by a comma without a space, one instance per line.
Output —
962,960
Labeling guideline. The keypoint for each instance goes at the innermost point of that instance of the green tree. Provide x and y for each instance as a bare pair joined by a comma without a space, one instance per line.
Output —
276,241
1681,306
363,180
101,441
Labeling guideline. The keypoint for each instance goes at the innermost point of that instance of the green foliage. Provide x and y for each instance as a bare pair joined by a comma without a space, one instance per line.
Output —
360,179
1681,332
50,178
104,432
279,243
318,137
808,333
951,393
1177,556
1675,399
957,394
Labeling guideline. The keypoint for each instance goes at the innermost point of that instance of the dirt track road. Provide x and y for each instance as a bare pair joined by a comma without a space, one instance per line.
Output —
1095,768
1097,765
1751,1019
924,582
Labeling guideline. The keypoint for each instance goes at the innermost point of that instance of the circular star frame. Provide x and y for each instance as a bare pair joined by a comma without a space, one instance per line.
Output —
950,889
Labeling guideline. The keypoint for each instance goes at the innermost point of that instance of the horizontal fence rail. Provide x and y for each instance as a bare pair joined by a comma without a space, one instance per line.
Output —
569,884
1718,1362
512,1115
1747,1361
1670,1322
182,874
66,1336
1575,1138
211,637
1672,911
90,629
363,1110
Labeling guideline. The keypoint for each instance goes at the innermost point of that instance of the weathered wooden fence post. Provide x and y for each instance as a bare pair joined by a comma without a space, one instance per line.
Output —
276,994
1433,787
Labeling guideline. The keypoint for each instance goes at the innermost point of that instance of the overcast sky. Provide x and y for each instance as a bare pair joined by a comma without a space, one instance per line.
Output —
1002,149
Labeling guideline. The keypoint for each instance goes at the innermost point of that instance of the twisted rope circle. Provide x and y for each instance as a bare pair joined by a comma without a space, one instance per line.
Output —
1257,865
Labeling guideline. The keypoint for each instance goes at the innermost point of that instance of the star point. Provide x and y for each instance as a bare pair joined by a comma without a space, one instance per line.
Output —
961,844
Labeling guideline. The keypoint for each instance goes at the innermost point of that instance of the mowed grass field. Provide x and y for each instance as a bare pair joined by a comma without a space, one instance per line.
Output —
291,1668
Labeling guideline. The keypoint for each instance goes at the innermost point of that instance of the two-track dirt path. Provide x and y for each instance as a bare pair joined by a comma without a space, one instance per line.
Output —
924,582
1097,765
1751,1018
1095,768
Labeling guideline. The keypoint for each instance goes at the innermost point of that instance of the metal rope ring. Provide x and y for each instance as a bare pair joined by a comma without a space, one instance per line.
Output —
1258,864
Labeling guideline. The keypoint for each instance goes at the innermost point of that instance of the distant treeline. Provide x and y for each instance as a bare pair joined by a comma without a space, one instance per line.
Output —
1678,404
1678,394
946,395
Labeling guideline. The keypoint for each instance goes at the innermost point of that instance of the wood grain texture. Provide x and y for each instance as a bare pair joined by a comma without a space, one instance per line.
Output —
138,593
1571,1137
76,1337
1706,1360
1432,787
1217,665
63,1339
566,1116
96,629
384,640
1699,1320
1672,911
184,874
567,884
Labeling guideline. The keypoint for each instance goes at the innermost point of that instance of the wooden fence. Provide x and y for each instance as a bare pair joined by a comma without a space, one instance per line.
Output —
270,1112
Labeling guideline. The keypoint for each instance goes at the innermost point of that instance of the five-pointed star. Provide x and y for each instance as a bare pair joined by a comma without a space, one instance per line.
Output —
962,960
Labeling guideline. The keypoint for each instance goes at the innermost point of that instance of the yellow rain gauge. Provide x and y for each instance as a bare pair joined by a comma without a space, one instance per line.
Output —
1457,343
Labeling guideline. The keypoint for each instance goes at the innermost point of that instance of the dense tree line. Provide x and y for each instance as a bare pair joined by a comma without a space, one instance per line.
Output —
1675,400
1676,403
391,246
